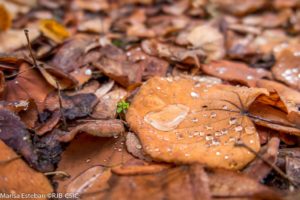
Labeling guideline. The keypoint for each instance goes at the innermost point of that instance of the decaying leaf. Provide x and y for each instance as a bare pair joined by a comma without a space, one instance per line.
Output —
100,128
18,178
195,125
209,39
75,106
235,71
53,30
287,68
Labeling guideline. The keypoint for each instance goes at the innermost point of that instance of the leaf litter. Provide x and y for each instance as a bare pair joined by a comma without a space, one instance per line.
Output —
146,99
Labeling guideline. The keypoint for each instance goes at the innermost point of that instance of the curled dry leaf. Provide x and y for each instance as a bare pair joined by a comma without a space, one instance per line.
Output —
230,185
191,181
53,30
18,178
135,147
258,169
239,7
100,128
290,98
268,116
115,65
235,71
69,60
287,68
107,106
79,105
172,52
209,39
88,157
28,85
14,134
201,124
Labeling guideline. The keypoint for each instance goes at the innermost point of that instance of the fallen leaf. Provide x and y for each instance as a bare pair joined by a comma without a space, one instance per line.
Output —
14,134
53,30
107,106
18,178
100,128
209,39
201,124
287,68
191,181
79,105
236,72
28,85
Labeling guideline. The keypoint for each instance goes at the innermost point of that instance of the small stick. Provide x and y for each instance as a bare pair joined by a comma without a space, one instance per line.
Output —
277,169
61,173
29,47
9,160
61,107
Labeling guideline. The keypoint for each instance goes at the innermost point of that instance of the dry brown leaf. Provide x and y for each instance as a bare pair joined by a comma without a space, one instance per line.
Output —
100,128
107,106
230,185
18,178
28,85
134,146
200,124
185,182
209,39
53,30
268,116
289,96
87,157
239,7
235,71
287,68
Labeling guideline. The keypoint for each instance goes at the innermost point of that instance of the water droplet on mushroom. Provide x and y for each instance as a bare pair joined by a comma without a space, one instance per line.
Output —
169,149
168,118
250,130
138,146
232,121
194,95
187,154
120,149
226,157
251,141
208,127
16,82
213,115
238,129
218,153
233,164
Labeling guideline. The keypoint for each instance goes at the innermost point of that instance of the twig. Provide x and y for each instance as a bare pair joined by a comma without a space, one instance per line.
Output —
61,173
61,107
274,167
29,47
9,160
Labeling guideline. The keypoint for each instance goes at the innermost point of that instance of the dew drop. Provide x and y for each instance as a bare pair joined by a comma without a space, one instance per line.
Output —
238,129
187,154
213,115
251,141
226,157
218,153
138,146
209,137
168,118
232,121
88,72
194,95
